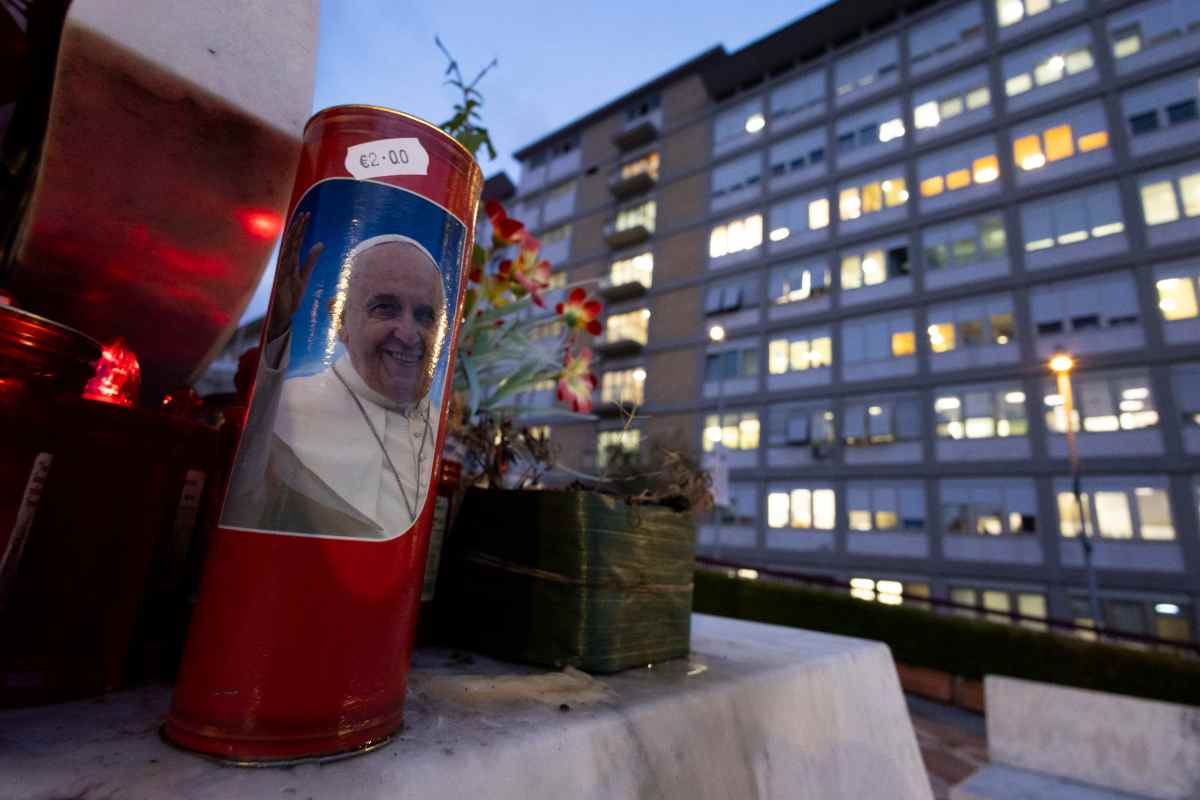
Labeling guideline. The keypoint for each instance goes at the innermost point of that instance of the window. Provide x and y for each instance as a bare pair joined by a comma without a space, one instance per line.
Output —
1091,213
801,425
883,421
645,165
623,386
798,215
796,281
560,201
1061,136
970,164
628,327
870,128
799,352
998,605
1177,293
799,99
963,243
554,235
1149,26
951,99
635,269
989,507
897,507
613,445
731,364
1104,403
735,236
867,70
980,412
1100,303
982,322
642,108
871,196
1117,508
734,176
1010,12
735,431
642,214
803,509
948,35
1187,394
1171,193
727,297
888,592
874,266
878,339
1161,105
1048,62
740,123
800,152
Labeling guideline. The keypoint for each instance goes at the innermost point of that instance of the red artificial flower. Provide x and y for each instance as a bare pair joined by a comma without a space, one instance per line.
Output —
533,275
580,312
576,382
505,230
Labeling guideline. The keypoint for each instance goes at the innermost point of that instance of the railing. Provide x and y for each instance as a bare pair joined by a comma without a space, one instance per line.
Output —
1066,627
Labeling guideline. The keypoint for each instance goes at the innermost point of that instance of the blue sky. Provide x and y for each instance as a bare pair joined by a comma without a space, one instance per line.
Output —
557,60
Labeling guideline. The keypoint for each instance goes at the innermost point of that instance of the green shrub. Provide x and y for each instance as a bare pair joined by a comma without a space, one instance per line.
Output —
959,646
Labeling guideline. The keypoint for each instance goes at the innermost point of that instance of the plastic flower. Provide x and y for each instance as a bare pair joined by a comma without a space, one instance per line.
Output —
505,230
580,312
576,381
497,287
533,275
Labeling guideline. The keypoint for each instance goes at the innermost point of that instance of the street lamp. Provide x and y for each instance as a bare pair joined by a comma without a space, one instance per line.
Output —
1061,365
716,334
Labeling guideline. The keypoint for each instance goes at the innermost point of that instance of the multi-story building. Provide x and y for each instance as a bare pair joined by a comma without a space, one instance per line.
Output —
896,212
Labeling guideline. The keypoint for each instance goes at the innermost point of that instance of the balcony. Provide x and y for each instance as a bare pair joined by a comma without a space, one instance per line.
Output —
619,347
629,185
615,292
637,133
628,235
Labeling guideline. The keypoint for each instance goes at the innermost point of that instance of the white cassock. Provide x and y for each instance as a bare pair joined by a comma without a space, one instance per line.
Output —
311,459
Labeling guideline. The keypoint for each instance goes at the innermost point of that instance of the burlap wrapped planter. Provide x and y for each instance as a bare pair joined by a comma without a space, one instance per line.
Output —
561,578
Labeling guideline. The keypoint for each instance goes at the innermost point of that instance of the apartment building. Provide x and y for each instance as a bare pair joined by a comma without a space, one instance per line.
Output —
843,256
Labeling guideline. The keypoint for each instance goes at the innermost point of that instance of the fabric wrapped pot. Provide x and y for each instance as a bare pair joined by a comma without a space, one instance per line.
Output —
565,578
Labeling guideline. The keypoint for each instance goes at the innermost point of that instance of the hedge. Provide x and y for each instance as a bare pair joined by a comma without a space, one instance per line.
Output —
958,646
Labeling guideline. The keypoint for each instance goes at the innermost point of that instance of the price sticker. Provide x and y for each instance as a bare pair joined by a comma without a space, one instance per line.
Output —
384,157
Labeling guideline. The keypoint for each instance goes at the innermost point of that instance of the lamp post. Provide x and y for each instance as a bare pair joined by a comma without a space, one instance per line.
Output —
1061,365
716,334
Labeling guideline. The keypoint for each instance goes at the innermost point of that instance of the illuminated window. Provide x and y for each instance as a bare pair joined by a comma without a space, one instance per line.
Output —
799,353
802,509
1036,144
882,421
614,445
1177,297
877,339
736,236
1047,62
986,169
1058,143
1146,27
647,164
974,163
818,214
642,214
734,431
623,386
1168,194
903,344
630,326
1103,403
874,266
797,281
636,269
1004,507
1116,508
850,203
931,187
968,324
980,412
1091,213
896,507
738,124
963,243
871,197
1010,12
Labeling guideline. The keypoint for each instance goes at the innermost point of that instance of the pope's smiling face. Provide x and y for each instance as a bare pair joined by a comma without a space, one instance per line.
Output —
394,320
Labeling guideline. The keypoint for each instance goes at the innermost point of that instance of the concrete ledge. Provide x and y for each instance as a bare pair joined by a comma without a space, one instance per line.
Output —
1144,747
757,711
998,782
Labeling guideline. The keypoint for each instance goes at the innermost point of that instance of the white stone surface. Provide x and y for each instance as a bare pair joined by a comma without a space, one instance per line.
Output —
1143,747
757,711
995,782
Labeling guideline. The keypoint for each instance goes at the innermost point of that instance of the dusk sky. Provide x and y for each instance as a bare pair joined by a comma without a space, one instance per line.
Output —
557,60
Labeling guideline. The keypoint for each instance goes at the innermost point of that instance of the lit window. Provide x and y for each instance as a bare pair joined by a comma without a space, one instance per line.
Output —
613,445
1093,141
892,129
850,204
1059,144
1104,404
894,192
898,507
638,269
1018,84
1126,41
941,337
647,164
630,326
735,236
623,386
978,98
926,115
904,343
986,169
818,214
1158,203
1027,152
799,354
642,215
958,179
736,431
931,187
790,283
803,509
980,413
1177,298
